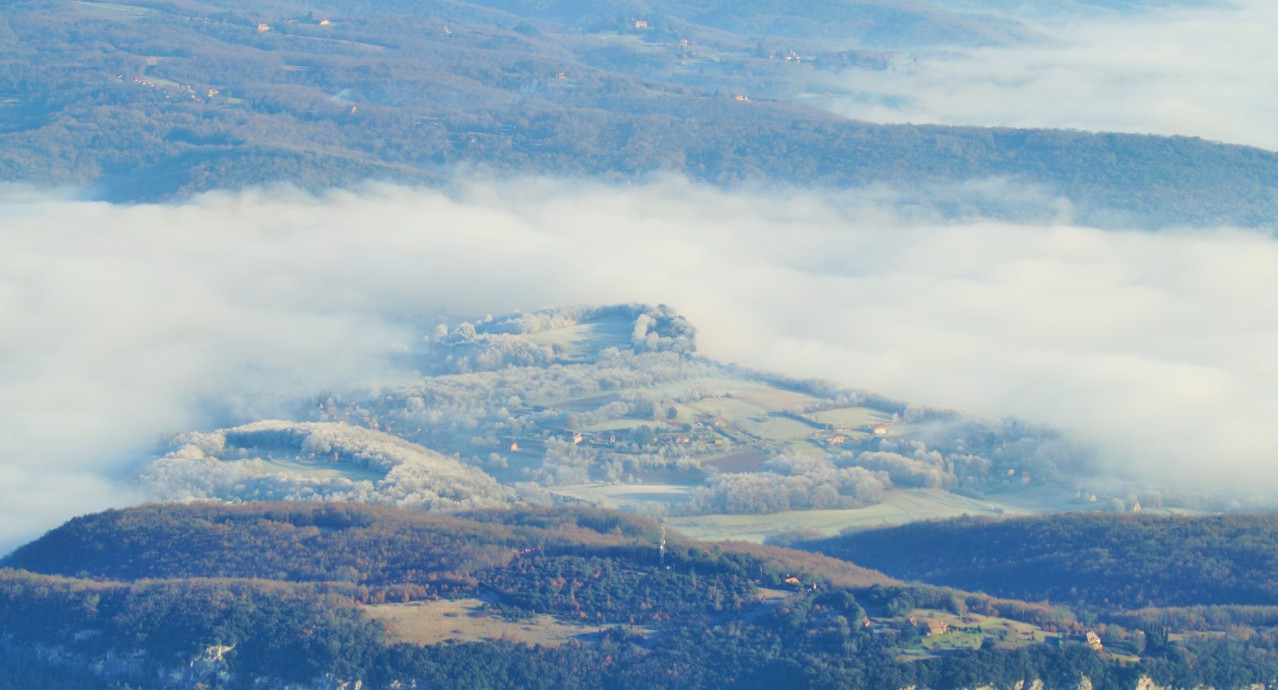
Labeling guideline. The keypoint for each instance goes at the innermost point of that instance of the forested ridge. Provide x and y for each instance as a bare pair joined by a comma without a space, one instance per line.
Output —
1099,560
154,100
379,547
267,595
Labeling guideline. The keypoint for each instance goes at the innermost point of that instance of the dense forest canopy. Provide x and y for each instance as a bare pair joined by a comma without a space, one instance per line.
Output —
1100,560
316,595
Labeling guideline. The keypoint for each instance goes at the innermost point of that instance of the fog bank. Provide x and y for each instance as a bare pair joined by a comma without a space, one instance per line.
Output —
125,323
1201,72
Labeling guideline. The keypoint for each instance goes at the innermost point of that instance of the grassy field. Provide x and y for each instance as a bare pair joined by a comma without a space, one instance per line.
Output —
775,399
729,408
584,341
969,631
741,461
775,428
852,417
899,507
1041,498
706,386
321,469
624,423
113,8
470,620
621,495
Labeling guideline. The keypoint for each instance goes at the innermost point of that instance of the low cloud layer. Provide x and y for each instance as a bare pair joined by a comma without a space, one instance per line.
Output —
125,323
1197,72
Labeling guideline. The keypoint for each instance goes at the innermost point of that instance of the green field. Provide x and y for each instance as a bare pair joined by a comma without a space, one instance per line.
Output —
969,631
114,8
624,423
899,507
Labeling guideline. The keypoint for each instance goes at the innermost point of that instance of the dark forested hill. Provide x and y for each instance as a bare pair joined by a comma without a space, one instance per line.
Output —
156,100
373,546
316,596
1095,559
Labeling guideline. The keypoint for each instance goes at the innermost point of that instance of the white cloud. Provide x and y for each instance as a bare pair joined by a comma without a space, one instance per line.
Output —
1202,72
123,323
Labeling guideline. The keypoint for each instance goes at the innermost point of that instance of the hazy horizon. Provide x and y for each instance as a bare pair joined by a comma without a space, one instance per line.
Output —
1196,71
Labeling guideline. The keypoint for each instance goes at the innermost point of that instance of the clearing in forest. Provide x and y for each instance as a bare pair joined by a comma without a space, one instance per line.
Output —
470,620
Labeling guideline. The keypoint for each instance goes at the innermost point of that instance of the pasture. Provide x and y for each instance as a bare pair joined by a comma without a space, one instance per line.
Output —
320,468
852,417
899,507
729,408
113,10
741,461
470,620
970,630
775,428
776,399
621,495
582,342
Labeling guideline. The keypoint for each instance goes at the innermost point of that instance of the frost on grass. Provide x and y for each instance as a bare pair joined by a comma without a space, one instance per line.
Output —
318,461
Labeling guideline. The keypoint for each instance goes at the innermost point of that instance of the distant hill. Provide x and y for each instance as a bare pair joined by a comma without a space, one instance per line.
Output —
1095,560
611,405
149,100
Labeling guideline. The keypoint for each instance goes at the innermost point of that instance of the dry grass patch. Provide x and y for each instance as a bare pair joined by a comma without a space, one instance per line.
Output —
470,620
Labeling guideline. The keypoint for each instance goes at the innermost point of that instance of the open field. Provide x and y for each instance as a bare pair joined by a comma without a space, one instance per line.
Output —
852,417
113,9
706,386
581,404
1041,498
741,461
775,428
469,620
623,423
731,408
899,507
776,399
584,341
620,495
320,469
969,631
